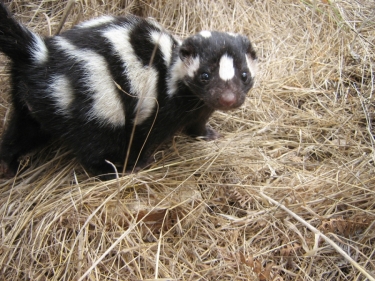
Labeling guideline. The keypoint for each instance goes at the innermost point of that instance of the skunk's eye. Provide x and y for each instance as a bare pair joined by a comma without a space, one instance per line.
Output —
244,76
205,77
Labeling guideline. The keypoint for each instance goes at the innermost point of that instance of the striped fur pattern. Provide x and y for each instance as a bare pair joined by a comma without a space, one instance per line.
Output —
92,84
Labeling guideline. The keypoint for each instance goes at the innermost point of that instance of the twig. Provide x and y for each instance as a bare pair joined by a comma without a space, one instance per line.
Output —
67,11
317,232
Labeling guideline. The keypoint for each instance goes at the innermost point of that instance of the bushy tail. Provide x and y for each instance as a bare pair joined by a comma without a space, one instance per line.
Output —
16,41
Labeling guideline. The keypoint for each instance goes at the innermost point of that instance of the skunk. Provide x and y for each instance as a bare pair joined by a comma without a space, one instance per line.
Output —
113,89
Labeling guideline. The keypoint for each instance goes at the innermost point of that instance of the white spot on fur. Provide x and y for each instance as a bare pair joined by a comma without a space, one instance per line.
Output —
62,93
165,45
39,49
107,107
252,65
205,33
143,79
96,22
226,68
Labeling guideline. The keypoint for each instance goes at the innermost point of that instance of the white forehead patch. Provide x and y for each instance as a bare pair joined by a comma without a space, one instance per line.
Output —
96,22
252,65
205,34
226,68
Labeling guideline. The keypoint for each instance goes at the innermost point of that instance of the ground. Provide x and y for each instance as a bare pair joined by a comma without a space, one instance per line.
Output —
287,193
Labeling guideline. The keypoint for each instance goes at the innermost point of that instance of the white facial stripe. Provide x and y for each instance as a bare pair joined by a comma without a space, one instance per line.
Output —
38,49
192,66
179,70
143,80
62,93
205,33
107,107
96,22
252,65
226,68
165,45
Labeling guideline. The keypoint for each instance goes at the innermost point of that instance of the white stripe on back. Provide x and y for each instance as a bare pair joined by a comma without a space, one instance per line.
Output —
142,79
96,22
62,93
107,107
38,49
165,45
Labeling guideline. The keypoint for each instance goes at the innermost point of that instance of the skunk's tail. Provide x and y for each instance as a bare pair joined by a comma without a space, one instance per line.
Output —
17,42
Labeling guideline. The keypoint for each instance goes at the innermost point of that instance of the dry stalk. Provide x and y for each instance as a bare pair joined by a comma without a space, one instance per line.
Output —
305,134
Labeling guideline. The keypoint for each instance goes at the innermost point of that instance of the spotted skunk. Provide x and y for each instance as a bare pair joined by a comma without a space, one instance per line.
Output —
116,88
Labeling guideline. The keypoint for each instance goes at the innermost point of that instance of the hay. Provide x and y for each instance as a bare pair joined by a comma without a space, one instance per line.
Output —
296,163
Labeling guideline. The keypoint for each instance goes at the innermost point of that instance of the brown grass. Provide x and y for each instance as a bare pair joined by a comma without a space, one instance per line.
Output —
287,194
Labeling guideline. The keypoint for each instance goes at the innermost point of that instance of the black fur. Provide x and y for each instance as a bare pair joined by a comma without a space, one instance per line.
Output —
36,117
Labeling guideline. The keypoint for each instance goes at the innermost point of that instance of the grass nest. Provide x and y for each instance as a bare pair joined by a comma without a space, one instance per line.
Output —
288,192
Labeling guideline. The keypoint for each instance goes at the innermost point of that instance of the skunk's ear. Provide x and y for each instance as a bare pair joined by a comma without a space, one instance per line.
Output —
187,51
251,52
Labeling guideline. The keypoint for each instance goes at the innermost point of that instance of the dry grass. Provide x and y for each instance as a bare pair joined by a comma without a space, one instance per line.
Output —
211,211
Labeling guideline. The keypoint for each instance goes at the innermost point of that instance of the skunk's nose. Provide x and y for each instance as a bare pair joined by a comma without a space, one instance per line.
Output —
227,99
